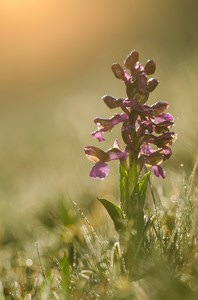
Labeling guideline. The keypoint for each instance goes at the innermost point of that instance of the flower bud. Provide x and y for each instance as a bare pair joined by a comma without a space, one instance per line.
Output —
118,71
110,101
131,60
150,67
151,84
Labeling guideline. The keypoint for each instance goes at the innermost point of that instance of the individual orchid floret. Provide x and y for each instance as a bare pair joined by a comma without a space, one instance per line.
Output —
101,169
166,139
154,158
104,125
159,107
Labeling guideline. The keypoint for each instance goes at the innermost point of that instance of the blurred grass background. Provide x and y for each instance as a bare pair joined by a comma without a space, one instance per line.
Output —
55,59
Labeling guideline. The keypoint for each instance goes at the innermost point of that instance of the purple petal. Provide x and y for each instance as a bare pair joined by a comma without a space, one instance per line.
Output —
98,135
146,149
139,69
167,152
95,154
127,76
164,119
127,103
119,118
168,117
99,171
158,171
115,153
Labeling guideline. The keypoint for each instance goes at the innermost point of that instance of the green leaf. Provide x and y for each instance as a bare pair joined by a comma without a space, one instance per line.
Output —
114,212
65,273
65,214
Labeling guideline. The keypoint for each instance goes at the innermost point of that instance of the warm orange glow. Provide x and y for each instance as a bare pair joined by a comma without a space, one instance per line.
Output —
42,36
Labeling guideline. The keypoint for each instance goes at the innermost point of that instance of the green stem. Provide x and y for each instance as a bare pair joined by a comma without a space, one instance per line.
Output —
133,172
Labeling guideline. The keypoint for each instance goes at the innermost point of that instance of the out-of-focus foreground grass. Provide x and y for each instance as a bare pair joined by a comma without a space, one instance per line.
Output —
55,59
